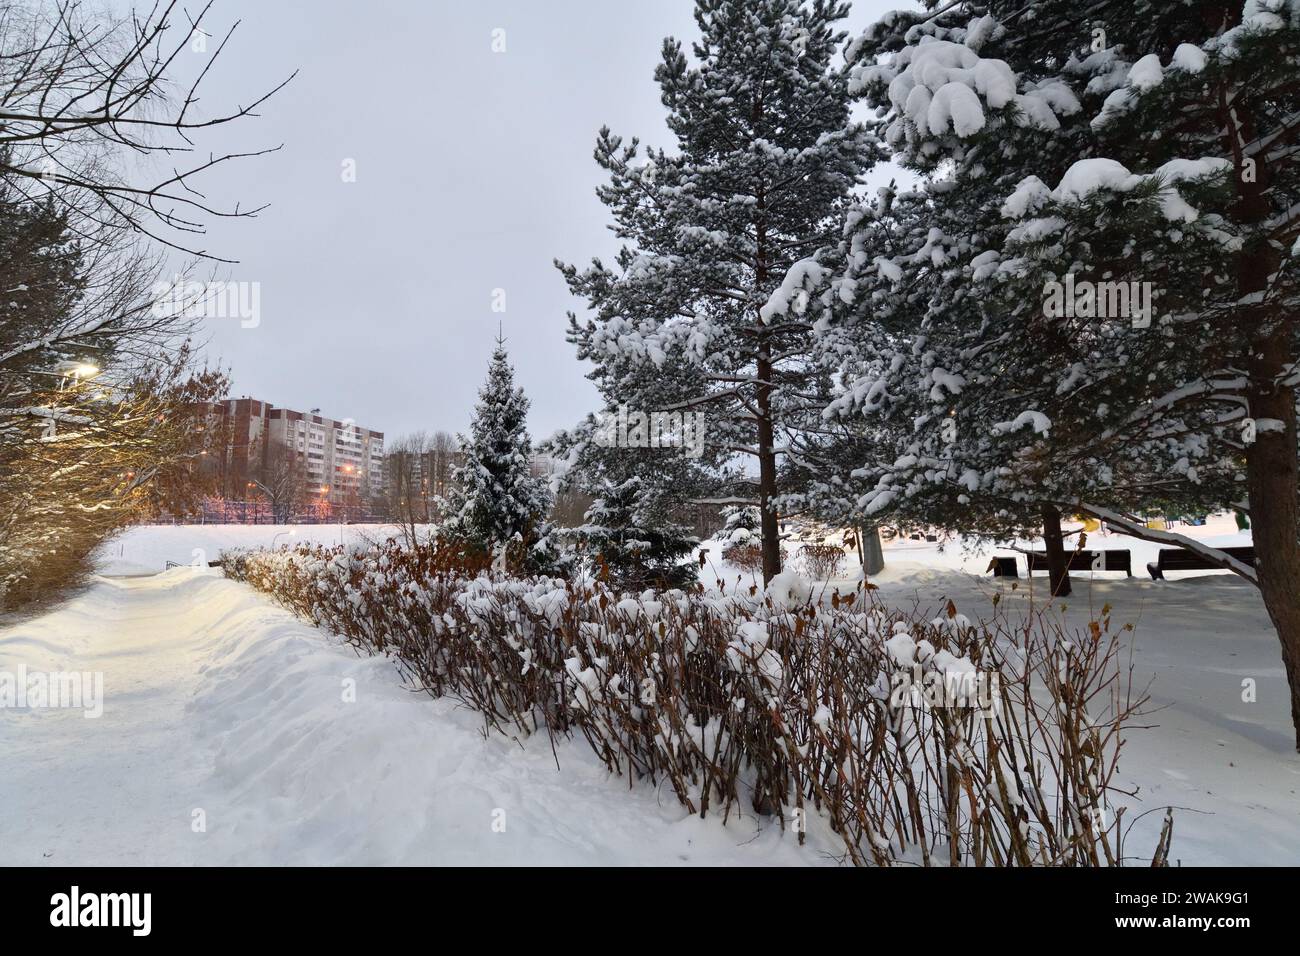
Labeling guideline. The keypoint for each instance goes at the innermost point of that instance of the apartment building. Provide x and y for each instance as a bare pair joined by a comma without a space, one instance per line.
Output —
343,460
333,460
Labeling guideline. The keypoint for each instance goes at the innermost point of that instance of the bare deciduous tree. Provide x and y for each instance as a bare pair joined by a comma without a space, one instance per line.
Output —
101,409
419,469
79,92
282,479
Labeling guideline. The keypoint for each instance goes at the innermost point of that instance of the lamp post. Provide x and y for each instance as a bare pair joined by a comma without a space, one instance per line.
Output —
76,371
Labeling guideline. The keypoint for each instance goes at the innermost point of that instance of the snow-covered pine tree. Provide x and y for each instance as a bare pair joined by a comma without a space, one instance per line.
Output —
497,504
1212,86
740,525
637,549
1076,166
960,118
765,158
981,387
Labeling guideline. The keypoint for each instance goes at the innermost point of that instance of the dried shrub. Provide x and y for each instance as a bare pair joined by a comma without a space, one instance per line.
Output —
748,557
822,561
796,709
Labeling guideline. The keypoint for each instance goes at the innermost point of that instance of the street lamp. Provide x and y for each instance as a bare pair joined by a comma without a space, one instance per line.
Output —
78,372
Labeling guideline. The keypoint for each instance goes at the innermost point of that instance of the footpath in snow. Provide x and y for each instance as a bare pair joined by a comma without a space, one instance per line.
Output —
222,709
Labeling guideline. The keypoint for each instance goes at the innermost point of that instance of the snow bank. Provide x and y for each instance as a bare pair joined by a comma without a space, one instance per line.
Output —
153,547
216,701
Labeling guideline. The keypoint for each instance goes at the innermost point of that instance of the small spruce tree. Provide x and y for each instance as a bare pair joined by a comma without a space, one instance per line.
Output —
636,551
498,504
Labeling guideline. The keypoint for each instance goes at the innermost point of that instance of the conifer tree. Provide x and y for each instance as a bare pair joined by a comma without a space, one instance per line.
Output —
497,501
1089,304
721,234
686,469
636,550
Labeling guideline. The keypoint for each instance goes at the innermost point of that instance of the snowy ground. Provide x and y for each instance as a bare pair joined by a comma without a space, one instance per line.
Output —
1229,765
217,701
145,550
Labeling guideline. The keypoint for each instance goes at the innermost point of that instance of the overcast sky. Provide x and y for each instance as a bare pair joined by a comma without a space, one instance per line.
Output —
473,172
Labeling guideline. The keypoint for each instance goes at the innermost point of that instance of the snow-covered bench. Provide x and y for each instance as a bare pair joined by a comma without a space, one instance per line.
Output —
1117,559
1180,559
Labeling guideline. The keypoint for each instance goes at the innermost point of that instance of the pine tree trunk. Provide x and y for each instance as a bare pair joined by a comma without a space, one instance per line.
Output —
1273,478
767,489
1058,564
767,470
1271,466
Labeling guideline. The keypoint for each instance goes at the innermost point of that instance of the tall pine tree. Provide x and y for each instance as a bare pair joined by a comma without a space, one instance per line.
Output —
1070,164
765,159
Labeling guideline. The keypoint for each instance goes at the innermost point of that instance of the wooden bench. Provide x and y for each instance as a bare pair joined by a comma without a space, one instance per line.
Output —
1180,559
1004,567
1113,560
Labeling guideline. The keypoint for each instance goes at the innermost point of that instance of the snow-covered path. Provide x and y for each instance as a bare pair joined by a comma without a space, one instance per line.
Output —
83,790
221,708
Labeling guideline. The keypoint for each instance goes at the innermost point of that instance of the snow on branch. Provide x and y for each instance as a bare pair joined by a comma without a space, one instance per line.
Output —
1139,530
